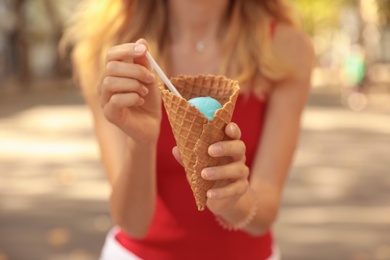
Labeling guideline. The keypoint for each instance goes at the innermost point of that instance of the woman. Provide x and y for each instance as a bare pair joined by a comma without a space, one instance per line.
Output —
255,42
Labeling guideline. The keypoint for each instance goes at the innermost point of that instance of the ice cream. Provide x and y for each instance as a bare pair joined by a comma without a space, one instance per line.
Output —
193,131
206,105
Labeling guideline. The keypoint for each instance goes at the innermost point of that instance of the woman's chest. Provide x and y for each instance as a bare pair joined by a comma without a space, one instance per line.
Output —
190,62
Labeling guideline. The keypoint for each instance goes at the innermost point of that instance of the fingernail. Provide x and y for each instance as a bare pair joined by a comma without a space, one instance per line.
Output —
140,102
211,194
215,150
151,77
144,90
208,173
140,48
232,128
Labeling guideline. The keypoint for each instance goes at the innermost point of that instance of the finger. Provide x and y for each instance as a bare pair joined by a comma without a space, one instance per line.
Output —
235,170
126,51
233,189
113,85
232,148
129,70
177,155
123,100
113,110
233,131
142,60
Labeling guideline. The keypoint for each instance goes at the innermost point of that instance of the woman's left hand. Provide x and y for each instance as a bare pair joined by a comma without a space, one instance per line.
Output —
231,175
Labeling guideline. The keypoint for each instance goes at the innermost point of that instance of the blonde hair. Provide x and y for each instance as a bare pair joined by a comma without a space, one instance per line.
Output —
100,24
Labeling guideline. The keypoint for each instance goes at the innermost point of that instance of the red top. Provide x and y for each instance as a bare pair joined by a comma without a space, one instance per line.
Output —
179,230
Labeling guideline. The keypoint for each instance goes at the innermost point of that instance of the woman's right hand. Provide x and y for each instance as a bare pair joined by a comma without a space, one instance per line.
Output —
129,92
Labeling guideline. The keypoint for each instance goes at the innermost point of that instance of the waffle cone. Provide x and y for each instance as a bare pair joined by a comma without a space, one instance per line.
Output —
193,132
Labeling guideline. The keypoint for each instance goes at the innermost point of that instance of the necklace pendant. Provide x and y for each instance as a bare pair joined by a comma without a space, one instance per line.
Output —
199,46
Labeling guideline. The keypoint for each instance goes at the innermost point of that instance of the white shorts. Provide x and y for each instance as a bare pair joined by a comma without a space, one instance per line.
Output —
112,250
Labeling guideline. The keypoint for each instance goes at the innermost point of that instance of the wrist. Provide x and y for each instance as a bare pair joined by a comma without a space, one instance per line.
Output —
244,219
141,152
140,146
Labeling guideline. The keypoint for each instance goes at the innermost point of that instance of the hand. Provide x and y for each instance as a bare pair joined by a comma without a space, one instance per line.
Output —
231,175
130,96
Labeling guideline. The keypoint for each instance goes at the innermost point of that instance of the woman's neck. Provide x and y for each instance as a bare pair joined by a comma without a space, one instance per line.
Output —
191,21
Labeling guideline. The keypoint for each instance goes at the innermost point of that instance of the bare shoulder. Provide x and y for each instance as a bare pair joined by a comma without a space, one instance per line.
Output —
295,47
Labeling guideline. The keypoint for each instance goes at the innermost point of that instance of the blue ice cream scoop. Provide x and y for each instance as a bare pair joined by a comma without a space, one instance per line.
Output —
206,105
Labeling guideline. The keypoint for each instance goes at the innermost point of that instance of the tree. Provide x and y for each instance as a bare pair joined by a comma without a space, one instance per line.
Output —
19,46
321,14
384,11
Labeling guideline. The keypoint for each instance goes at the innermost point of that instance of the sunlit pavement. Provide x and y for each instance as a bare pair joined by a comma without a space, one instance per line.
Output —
337,201
53,194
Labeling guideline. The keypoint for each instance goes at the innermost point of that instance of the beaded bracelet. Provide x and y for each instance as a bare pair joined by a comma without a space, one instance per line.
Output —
240,225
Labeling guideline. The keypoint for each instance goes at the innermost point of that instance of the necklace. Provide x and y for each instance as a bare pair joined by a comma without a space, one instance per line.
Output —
199,46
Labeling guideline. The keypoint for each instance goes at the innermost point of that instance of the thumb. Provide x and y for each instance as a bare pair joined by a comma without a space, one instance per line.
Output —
177,155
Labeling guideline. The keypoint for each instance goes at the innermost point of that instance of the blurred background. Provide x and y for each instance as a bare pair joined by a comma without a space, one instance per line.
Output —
53,193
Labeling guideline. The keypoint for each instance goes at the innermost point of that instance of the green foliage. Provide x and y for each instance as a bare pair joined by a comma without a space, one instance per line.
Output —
384,10
319,14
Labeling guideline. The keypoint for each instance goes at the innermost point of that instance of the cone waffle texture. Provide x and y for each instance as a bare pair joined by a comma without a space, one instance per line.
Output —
193,132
